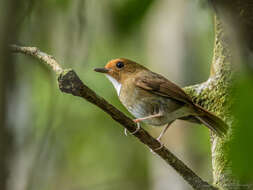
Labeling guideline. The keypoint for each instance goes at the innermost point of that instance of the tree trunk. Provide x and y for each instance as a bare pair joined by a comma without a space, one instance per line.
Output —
214,96
233,35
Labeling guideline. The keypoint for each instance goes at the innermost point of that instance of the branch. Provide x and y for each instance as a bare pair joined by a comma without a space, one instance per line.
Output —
70,83
35,52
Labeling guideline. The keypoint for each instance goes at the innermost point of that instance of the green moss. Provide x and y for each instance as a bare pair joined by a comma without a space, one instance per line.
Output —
214,95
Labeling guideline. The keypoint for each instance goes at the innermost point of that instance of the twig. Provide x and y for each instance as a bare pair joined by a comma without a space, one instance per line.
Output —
69,82
35,52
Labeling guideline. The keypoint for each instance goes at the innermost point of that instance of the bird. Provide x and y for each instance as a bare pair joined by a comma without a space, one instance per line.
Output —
154,100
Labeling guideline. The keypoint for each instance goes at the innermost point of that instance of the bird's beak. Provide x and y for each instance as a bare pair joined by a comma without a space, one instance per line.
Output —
101,70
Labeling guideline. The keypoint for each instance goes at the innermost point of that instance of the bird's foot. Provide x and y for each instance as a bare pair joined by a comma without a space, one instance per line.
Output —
158,148
137,129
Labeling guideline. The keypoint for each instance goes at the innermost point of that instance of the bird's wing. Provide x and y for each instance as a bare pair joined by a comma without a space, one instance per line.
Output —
159,85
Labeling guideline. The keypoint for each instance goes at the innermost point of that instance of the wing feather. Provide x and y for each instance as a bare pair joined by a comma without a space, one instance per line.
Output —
159,85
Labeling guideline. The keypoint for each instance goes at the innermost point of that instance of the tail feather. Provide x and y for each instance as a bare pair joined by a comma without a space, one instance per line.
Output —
211,121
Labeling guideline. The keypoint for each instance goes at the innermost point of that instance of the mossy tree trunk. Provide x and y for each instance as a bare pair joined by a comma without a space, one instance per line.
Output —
233,38
214,96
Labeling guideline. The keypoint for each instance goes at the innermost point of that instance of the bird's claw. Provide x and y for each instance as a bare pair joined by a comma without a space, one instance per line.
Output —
158,148
132,133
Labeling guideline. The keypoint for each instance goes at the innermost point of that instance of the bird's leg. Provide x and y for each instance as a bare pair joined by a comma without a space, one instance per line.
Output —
148,117
138,120
161,135
164,131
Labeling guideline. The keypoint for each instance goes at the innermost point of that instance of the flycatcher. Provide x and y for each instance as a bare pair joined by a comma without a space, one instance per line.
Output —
155,100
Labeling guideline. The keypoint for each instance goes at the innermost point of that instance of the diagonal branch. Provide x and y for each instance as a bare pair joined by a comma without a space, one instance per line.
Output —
70,83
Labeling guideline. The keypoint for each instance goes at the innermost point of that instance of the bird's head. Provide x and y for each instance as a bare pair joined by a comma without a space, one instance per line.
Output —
120,69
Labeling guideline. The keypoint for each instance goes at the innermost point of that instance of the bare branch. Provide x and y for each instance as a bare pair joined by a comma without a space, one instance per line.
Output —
69,82
35,52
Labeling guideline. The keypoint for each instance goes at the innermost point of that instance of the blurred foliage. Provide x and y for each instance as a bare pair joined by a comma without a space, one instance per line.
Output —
128,14
59,3
198,57
241,149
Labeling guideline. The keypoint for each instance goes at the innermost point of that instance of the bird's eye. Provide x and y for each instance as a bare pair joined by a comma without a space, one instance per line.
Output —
120,64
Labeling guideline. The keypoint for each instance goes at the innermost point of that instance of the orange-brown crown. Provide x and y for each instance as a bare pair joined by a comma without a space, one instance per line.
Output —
121,68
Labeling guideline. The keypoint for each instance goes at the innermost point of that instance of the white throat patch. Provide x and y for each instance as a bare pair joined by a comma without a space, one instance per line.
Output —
115,83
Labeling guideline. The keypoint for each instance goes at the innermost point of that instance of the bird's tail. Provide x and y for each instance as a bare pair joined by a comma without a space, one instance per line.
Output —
211,121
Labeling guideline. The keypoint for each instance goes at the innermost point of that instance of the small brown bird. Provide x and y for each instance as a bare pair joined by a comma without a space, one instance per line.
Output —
153,99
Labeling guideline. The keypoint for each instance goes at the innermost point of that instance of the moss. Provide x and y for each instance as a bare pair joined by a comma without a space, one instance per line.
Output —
214,95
